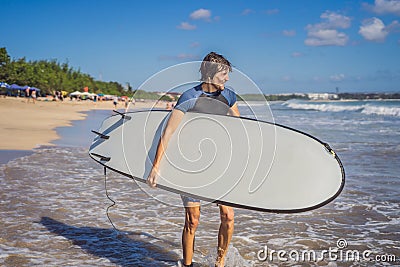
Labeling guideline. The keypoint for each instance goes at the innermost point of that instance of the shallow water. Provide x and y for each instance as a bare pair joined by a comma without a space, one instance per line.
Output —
53,204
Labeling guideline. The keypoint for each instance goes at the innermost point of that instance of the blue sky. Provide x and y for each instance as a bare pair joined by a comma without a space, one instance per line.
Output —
284,46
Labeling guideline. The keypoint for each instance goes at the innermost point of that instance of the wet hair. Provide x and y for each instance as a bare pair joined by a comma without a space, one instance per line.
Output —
213,63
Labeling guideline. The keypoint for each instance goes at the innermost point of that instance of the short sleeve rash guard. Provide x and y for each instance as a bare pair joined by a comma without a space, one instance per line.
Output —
196,100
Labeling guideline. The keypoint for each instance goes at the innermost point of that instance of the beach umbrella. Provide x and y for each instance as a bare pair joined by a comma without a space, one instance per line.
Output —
4,85
16,87
76,93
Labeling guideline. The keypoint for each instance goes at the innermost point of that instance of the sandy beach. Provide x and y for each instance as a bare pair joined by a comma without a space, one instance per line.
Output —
25,126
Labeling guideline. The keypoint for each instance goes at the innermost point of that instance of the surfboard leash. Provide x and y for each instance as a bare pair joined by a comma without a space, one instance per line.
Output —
112,200
118,232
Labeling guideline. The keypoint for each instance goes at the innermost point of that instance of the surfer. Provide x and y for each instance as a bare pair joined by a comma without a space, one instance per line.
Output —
210,96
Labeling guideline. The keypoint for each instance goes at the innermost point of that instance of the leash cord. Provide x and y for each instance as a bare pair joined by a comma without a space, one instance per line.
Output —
112,200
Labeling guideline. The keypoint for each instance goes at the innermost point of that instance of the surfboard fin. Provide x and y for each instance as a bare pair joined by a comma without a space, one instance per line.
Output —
102,158
103,136
126,117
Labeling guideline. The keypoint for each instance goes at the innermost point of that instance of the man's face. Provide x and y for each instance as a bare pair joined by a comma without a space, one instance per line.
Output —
220,78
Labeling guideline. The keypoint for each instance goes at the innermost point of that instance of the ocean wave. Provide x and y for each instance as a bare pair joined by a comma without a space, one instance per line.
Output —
391,111
322,107
368,109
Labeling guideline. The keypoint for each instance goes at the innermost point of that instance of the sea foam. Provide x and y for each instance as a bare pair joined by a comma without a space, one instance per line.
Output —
374,108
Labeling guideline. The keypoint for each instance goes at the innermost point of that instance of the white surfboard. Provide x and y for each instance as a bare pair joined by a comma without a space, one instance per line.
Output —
234,161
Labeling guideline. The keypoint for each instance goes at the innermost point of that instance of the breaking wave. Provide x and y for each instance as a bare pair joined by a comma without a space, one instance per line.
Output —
391,111
389,108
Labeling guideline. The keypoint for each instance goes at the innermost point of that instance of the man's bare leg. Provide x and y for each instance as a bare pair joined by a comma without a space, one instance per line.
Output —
225,233
192,216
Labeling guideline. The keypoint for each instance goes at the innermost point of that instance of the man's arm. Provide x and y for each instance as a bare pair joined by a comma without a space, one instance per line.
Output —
173,122
234,110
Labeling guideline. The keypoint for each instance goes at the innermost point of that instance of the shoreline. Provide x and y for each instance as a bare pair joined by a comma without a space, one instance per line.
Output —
26,126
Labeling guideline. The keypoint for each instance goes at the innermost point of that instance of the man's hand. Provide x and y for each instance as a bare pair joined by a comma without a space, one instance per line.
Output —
152,178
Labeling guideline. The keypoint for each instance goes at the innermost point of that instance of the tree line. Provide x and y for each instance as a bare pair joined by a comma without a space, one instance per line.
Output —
51,75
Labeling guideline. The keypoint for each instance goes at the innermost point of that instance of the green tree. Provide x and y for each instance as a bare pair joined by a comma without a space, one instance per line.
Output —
51,75
4,64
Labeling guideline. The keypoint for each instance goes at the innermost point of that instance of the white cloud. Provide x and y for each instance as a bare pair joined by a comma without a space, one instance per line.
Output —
201,13
186,26
289,33
247,11
326,37
271,11
385,7
297,54
195,44
326,33
373,30
393,27
287,78
335,20
337,77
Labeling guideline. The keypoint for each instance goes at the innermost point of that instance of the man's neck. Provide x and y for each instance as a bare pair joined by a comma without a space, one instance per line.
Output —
209,87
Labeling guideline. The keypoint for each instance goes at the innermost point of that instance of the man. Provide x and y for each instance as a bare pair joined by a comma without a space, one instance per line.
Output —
210,96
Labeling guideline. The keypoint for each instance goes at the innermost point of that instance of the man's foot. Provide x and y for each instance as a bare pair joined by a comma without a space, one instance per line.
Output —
181,264
220,261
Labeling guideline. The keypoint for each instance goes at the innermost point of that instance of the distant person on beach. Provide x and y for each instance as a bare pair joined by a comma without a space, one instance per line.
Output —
33,95
214,74
27,94
55,96
126,103
115,102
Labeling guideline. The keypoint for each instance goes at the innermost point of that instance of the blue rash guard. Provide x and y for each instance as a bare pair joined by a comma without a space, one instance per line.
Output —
197,100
